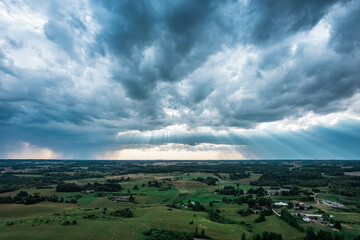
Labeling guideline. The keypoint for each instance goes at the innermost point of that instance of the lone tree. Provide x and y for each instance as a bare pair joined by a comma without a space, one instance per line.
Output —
131,198
337,225
196,231
243,237
310,234
202,234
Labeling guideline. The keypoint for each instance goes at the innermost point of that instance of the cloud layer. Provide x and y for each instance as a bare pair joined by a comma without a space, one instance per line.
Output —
92,78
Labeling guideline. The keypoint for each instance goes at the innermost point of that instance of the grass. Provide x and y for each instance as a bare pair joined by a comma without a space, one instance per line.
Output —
179,219
28,175
272,223
36,210
97,229
86,180
150,212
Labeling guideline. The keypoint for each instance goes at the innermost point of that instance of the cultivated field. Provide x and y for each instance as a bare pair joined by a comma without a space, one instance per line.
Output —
175,201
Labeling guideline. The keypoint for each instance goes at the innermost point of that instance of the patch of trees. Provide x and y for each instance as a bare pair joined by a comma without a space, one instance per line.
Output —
90,216
118,180
9,223
5,189
201,234
244,212
346,191
164,234
290,219
268,236
23,182
267,211
227,200
155,183
258,191
294,191
216,217
279,176
93,167
230,190
125,213
68,187
239,175
331,170
106,187
264,201
347,186
311,234
67,222
242,199
249,200
196,206
175,204
261,218
24,198
72,187
208,180
186,167
59,176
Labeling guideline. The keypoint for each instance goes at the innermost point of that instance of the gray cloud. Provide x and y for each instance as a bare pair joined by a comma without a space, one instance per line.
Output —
345,33
83,71
177,36
273,20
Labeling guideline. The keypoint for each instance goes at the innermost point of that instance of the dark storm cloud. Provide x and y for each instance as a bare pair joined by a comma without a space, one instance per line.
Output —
313,87
273,20
179,36
314,82
345,32
103,67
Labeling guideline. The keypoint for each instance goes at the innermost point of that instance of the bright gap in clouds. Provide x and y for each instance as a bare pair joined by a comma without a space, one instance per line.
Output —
28,151
169,151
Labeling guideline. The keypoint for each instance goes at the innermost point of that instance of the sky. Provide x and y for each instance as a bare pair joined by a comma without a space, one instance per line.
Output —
192,80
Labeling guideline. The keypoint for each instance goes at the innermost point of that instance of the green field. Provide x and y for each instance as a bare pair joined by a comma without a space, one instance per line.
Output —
167,205
149,212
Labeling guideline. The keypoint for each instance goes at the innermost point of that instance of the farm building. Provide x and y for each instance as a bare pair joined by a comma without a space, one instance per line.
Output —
88,191
276,191
280,204
121,199
333,204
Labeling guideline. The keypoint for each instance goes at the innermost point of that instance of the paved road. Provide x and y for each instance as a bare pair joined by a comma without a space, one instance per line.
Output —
276,212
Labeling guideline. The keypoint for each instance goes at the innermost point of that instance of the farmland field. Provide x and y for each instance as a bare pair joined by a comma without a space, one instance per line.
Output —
229,201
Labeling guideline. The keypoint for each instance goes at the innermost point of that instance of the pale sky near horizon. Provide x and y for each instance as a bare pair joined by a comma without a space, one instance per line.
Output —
195,79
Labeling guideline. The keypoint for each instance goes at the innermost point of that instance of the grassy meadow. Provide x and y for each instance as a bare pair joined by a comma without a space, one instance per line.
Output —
167,206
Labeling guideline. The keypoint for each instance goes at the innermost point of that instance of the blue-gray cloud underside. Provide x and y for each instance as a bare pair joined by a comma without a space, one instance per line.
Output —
99,68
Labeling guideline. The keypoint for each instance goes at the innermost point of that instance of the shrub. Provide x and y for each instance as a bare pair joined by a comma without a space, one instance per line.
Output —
164,234
126,213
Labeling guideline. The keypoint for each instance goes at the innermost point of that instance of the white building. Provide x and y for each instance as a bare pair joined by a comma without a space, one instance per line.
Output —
280,204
